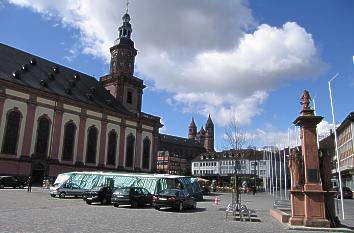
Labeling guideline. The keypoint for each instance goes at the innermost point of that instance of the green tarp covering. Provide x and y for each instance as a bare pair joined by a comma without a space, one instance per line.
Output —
154,183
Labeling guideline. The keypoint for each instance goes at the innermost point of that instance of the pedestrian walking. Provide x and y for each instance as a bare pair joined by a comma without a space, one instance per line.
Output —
254,190
29,184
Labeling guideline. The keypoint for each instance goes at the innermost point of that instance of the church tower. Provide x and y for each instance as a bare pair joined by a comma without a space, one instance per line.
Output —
209,135
120,82
192,132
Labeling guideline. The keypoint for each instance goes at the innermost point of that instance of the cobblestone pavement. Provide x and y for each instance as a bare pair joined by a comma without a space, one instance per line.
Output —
38,212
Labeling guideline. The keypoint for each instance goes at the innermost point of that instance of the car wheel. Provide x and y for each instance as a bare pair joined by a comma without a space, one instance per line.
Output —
180,206
135,204
75,196
157,208
104,201
21,186
62,195
89,202
2,186
116,205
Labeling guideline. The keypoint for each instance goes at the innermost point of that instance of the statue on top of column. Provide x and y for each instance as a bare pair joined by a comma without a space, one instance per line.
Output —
305,100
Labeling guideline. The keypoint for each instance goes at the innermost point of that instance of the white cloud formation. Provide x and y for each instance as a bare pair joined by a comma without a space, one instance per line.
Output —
196,50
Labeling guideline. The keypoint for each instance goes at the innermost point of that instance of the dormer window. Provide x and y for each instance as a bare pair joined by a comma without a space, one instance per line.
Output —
129,97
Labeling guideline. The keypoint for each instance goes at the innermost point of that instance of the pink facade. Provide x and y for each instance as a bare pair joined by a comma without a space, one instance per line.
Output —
58,117
81,139
102,155
138,149
121,146
31,109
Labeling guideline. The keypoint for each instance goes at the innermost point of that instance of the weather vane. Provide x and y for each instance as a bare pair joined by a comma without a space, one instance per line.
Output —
127,6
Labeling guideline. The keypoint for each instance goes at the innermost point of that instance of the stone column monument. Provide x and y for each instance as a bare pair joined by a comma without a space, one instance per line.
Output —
307,195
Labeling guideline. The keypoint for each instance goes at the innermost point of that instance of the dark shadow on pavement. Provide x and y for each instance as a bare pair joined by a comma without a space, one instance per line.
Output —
196,210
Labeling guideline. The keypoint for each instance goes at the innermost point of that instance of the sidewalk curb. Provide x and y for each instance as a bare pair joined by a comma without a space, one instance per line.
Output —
303,228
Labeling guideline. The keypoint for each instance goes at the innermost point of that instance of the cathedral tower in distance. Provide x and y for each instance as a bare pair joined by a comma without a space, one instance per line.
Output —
204,137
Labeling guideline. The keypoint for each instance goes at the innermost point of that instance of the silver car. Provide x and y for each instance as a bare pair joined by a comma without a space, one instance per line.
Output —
66,189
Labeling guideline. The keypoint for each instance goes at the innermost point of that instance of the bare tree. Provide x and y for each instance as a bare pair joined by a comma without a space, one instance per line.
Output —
236,138
235,135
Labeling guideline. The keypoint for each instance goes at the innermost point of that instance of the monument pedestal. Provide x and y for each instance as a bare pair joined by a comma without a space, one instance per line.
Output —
308,208
315,213
297,207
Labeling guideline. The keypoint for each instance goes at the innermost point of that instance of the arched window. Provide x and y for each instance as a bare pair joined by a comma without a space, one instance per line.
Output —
43,128
146,153
91,148
129,152
69,141
112,147
129,97
12,131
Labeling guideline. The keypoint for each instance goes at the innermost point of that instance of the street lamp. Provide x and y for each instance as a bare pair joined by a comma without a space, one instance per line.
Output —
336,144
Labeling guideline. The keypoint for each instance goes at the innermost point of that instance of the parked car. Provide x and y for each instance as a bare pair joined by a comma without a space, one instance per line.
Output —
102,194
176,198
66,189
206,190
11,181
133,196
347,193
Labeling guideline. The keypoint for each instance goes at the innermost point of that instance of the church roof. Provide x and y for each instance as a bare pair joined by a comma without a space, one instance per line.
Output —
32,71
179,140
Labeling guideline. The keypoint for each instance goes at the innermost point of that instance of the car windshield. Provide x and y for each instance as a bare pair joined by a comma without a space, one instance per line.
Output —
122,191
97,187
171,192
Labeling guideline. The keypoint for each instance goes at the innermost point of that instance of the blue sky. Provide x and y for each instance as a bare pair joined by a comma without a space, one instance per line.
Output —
250,59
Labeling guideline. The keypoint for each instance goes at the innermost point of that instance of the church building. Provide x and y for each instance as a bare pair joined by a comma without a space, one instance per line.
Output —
54,119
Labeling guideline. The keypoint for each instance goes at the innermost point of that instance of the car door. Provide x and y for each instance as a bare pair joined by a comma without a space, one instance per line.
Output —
138,195
147,196
12,181
75,190
187,198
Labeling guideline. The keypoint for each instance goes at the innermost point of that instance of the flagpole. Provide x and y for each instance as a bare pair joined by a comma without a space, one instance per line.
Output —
285,176
280,174
276,174
336,144
272,169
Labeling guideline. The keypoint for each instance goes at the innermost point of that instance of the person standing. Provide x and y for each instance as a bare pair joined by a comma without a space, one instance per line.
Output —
29,184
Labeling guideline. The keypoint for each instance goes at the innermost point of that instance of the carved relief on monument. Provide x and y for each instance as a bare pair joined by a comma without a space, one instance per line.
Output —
296,169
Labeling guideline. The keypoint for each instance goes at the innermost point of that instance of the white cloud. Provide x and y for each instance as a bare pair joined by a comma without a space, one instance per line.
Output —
197,51
324,129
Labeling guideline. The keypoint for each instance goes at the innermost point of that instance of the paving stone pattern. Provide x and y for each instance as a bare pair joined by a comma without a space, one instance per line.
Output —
38,212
